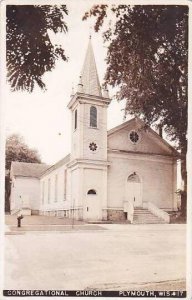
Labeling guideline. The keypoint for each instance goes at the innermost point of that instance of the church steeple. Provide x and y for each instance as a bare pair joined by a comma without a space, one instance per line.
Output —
89,76
89,114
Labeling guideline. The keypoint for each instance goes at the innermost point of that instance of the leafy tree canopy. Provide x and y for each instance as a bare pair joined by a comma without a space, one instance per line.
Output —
147,62
30,52
17,150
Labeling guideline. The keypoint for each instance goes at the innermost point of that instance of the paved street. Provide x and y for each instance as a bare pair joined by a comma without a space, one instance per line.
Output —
116,257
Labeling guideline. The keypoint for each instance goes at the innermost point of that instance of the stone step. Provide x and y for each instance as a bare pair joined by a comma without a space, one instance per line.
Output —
143,213
149,222
144,216
151,218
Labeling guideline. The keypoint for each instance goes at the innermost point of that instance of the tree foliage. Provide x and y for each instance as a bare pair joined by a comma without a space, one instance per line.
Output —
17,150
30,52
147,62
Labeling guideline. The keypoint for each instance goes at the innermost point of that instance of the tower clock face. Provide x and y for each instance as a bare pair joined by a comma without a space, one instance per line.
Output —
93,146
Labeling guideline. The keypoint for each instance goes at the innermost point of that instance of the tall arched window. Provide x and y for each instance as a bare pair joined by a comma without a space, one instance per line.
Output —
93,116
75,127
56,181
49,190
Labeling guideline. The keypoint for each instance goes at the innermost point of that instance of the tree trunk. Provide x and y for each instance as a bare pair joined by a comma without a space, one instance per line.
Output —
7,193
184,179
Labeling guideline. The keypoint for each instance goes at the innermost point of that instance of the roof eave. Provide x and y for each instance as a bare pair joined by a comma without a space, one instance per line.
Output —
82,96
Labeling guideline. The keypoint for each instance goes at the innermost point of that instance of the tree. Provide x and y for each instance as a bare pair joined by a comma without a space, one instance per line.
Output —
147,63
30,52
17,150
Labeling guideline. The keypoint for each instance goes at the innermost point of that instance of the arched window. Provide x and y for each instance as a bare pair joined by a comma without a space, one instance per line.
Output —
75,119
133,178
49,190
93,116
56,183
91,192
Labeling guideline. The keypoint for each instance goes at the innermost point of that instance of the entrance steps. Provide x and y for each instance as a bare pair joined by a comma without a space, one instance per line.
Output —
144,216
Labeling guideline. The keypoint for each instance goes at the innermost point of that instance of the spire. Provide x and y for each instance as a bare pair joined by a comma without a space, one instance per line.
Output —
90,79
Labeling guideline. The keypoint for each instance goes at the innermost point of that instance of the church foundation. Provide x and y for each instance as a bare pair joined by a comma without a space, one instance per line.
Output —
116,215
76,214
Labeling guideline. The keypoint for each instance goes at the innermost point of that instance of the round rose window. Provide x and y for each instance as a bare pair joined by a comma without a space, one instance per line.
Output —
93,146
134,137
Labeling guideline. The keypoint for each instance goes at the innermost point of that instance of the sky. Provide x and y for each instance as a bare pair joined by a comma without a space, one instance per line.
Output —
43,118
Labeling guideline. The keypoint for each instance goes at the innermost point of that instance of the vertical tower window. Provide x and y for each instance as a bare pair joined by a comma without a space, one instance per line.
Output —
93,117
75,125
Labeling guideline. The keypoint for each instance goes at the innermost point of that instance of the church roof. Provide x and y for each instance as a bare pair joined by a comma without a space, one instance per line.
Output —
89,75
28,169
60,163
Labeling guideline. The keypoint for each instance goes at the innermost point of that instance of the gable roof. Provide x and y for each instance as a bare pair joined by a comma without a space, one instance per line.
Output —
60,163
28,169
143,124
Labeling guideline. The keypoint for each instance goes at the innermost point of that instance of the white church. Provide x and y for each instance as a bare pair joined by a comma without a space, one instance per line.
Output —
126,173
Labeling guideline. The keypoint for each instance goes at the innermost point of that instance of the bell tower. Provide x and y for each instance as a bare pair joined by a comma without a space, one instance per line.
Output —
89,113
88,162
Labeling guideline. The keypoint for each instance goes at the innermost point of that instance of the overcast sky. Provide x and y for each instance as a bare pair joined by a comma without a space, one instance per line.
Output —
40,117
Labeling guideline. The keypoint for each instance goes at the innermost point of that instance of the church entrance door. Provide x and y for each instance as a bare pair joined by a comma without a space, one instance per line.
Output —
133,192
92,206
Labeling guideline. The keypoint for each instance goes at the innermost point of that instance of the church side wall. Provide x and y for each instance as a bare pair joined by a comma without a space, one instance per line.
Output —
76,200
54,189
156,174
25,191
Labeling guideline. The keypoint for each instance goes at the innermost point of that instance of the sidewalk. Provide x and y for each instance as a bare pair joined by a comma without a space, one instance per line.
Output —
11,220
50,228
46,224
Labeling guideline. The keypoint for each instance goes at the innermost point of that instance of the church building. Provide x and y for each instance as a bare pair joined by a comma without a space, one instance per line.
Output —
126,173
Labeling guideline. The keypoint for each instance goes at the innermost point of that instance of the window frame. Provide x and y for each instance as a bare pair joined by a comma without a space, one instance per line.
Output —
92,192
93,117
49,190
75,119
56,186
64,184
43,192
